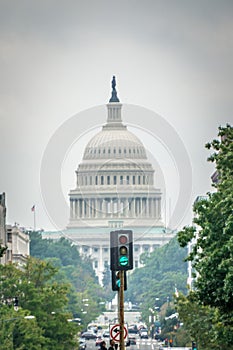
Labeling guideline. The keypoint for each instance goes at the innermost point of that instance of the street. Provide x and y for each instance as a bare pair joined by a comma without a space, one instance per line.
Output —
142,344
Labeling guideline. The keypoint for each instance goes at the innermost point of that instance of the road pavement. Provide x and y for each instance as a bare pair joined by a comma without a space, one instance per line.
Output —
141,344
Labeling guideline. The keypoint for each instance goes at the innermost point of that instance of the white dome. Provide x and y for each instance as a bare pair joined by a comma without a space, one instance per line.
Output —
114,142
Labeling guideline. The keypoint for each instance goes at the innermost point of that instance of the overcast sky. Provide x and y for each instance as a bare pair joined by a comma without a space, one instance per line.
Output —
173,58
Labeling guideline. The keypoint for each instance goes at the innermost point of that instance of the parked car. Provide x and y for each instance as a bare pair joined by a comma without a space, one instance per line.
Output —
89,335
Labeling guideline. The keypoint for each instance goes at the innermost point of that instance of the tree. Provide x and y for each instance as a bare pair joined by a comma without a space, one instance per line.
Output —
164,270
19,331
2,250
212,254
42,297
74,270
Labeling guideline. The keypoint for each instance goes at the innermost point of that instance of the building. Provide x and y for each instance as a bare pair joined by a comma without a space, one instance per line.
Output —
14,238
17,244
114,190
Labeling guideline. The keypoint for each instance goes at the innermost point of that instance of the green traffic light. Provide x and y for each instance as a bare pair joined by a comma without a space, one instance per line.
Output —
123,260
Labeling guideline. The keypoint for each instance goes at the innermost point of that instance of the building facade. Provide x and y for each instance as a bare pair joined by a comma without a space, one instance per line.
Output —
115,189
14,238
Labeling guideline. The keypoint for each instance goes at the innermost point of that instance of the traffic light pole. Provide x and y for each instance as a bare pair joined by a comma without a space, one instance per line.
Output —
121,310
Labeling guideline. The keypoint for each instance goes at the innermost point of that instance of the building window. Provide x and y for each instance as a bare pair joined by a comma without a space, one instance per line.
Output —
96,250
121,180
96,180
125,150
109,151
108,180
119,150
102,180
104,151
9,237
106,264
96,264
90,180
139,179
133,180
105,250
115,180
127,179
144,180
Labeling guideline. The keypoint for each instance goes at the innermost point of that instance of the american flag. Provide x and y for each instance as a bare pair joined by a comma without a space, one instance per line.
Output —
33,208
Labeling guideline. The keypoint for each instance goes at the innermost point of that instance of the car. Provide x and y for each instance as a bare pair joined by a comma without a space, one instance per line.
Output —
132,340
89,335
106,334
82,344
143,334
132,329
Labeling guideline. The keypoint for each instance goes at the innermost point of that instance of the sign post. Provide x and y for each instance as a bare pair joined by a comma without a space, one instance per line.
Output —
121,311
121,260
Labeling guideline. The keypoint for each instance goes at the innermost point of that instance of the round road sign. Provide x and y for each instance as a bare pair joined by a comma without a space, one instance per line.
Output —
115,332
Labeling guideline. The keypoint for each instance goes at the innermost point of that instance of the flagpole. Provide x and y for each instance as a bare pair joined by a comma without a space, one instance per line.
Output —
34,216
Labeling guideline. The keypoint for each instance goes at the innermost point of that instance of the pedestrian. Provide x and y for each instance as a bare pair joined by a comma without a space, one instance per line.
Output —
112,345
103,346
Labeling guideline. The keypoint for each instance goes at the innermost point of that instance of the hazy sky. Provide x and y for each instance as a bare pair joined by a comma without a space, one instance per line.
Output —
173,58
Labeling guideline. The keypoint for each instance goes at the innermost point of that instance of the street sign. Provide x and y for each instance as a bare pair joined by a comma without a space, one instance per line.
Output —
114,331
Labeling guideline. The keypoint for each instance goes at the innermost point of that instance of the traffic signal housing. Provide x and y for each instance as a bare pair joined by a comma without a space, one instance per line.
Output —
194,345
116,283
121,250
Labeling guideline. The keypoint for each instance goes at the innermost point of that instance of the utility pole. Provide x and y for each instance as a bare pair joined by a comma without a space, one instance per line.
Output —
121,310
121,260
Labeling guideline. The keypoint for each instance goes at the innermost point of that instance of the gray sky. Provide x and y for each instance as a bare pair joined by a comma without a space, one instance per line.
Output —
57,58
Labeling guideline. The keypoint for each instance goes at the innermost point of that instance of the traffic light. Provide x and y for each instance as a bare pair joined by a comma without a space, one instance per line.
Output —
121,244
194,345
116,281
16,303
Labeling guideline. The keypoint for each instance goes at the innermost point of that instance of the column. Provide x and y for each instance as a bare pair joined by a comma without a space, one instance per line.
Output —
111,207
83,208
141,211
118,207
133,207
106,207
159,208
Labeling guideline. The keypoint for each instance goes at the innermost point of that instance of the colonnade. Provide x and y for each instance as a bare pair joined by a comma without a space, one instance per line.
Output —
91,208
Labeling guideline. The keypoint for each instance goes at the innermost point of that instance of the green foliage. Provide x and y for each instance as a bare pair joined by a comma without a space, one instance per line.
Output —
212,254
74,270
17,332
164,270
2,250
39,295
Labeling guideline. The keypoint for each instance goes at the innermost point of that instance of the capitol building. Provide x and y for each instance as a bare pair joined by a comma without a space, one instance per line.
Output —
115,189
